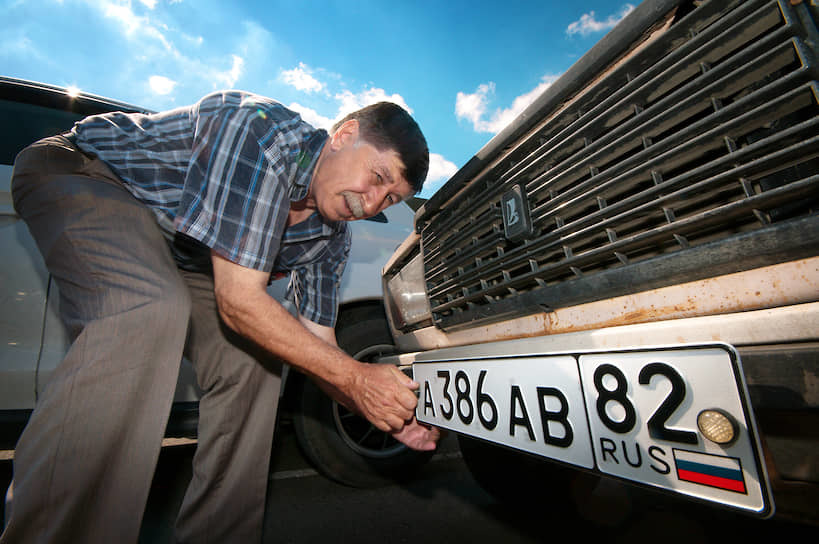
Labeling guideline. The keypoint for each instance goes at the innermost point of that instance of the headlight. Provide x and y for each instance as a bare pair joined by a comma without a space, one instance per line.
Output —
407,296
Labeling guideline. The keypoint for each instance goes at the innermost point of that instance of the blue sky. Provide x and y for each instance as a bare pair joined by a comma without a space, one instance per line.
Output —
464,69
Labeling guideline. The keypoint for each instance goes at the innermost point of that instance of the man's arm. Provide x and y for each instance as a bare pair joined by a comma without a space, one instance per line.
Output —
328,335
381,393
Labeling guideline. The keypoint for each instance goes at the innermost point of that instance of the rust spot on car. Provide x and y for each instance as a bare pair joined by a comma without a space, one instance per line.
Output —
770,287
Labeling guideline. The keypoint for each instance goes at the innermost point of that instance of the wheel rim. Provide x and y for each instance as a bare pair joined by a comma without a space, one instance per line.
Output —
358,433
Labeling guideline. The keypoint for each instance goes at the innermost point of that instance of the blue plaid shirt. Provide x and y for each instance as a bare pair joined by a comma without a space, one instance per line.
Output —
221,175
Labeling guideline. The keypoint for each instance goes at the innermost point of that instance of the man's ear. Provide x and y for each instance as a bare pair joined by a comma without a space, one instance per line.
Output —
346,134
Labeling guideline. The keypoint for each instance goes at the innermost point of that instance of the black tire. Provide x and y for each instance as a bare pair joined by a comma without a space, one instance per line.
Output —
525,482
340,444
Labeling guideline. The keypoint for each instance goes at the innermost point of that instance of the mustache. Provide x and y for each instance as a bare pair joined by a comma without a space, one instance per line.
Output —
354,203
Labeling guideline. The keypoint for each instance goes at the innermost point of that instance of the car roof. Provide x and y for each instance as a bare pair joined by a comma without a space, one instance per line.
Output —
52,96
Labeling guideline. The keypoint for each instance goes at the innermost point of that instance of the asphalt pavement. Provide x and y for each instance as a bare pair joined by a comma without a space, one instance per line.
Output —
444,504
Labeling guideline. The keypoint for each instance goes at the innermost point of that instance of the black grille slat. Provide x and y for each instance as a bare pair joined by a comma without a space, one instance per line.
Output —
714,136
806,150
635,136
716,216
553,242
649,83
675,156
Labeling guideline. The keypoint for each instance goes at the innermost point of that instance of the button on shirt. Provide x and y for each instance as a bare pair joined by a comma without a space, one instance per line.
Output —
221,175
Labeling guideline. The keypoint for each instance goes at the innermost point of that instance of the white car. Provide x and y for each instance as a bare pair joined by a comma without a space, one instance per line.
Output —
33,339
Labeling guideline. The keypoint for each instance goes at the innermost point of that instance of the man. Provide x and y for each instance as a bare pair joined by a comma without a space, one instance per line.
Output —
162,232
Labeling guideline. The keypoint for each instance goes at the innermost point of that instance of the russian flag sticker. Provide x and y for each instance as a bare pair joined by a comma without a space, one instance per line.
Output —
711,470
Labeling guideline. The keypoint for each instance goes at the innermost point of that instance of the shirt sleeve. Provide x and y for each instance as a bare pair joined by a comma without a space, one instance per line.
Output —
235,199
314,286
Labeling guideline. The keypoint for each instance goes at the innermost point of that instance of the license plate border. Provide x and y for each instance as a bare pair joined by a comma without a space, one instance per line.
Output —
768,508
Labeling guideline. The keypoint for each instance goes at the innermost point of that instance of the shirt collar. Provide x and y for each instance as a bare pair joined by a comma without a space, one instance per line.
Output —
305,164
302,174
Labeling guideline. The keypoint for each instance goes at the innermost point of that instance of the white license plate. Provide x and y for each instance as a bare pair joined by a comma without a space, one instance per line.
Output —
629,414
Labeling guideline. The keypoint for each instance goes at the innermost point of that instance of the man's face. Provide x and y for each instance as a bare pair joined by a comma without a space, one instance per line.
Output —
354,180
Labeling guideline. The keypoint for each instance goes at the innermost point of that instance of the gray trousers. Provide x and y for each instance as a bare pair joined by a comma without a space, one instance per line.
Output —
84,464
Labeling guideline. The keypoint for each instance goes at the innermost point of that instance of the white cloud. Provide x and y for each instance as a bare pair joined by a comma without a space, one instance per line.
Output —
473,107
588,24
312,116
15,44
440,169
149,36
350,101
123,14
161,84
302,79
135,25
195,41
228,78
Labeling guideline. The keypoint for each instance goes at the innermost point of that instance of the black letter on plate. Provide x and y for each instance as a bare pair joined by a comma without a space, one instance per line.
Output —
428,399
639,461
513,419
653,451
560,416
612,448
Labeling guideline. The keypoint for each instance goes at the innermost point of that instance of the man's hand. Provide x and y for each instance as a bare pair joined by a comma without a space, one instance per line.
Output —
402,425
384,395
380,393
417,436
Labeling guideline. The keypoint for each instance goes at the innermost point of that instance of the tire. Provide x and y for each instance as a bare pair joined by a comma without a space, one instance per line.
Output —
341,445
524,482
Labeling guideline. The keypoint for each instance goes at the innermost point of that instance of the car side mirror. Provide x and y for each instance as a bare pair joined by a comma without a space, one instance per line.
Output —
378,218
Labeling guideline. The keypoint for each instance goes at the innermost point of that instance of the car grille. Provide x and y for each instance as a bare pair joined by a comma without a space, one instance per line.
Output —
694,155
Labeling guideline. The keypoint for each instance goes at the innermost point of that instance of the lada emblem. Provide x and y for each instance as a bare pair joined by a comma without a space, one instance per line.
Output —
517,223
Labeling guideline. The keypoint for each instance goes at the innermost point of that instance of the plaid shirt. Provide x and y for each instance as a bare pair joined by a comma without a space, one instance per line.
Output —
221,175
